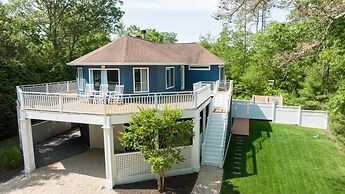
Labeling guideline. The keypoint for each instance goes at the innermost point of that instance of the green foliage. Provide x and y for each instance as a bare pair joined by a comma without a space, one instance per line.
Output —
38,38
151,34
305,57
10,155
157,136
279,158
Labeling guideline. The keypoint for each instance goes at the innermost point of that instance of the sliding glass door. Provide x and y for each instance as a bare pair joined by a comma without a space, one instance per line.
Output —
110,77
141,79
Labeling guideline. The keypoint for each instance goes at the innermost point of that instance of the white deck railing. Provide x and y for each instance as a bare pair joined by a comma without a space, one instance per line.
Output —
54,87
32,98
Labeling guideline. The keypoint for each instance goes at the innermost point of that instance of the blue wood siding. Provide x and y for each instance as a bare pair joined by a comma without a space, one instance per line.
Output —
193,76
157,77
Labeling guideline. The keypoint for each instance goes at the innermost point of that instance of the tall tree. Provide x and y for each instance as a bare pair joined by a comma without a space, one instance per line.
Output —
157,136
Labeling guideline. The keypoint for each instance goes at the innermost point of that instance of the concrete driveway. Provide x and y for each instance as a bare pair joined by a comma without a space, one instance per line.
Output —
59,147
82,173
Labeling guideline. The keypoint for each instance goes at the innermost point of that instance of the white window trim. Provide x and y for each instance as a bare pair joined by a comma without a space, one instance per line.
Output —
148,79
78,80
183,69
195,67
103,69
166,77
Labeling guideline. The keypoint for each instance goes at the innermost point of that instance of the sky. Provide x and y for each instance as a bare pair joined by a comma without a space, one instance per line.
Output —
188,18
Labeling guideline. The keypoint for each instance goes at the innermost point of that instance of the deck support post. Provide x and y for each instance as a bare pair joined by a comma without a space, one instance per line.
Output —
196,143
108,135
27,143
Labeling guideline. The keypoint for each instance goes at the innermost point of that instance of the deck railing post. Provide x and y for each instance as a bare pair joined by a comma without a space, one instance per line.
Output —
104,103
196,99
156,101
47,88
67,86
60,103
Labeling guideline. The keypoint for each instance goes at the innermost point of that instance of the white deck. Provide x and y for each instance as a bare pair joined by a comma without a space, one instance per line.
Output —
65,100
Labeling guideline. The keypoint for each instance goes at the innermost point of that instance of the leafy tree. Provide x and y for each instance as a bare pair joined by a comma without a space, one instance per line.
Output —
151,34
157,136
38,38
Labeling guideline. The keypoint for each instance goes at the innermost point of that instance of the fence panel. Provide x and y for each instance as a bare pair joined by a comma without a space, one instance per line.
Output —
314,119
286,115
280,114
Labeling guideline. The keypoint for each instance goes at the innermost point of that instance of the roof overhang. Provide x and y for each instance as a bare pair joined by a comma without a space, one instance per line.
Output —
134,63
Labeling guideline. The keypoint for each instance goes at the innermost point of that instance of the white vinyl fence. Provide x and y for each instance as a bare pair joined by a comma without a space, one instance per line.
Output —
280,114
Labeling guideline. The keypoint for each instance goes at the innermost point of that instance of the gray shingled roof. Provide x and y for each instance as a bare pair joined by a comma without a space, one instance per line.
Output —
136,51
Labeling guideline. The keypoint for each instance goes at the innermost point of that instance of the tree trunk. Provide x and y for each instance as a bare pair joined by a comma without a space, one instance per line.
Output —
163,178
159,182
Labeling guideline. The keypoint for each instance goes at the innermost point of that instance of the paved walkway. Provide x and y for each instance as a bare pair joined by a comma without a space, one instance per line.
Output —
83,173
209,180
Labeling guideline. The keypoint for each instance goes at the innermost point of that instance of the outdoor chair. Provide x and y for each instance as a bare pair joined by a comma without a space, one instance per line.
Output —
116,97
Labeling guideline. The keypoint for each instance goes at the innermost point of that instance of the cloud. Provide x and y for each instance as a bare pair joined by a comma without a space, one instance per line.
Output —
171,5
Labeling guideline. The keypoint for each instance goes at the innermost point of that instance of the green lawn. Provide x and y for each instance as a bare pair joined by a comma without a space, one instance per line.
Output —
279,158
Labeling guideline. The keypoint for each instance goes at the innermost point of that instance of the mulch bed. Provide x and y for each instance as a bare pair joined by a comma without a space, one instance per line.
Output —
176,184
7,174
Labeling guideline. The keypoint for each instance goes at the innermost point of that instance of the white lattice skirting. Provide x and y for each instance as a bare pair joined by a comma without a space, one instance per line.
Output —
131,167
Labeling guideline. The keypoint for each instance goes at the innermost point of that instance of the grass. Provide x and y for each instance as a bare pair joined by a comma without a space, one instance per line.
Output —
10,155
279,158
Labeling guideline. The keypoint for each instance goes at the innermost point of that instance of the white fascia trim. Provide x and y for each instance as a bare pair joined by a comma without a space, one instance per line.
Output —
141,63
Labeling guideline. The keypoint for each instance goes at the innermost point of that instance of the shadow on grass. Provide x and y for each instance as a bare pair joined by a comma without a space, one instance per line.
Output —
241,157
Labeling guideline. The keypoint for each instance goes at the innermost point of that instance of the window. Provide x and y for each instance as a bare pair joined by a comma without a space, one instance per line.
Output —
194,67
113,78
141,79
80,78
170,77
99,76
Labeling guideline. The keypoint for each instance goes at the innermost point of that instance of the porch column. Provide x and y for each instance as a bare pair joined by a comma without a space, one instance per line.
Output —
109,154
196,143
27,144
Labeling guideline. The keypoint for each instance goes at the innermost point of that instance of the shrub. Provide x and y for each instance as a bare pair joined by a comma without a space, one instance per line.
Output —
10,155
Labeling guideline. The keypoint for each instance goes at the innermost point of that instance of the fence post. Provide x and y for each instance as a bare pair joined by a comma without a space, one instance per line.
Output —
299,118
326,122
273,112
60,103
156,101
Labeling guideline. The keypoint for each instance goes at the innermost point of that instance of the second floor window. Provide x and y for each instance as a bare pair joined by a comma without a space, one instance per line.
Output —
170,77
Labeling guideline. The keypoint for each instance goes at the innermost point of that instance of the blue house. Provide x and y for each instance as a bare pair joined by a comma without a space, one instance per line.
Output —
145,67
142,74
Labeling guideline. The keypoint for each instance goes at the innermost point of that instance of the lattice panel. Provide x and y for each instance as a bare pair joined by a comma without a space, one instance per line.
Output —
132,164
